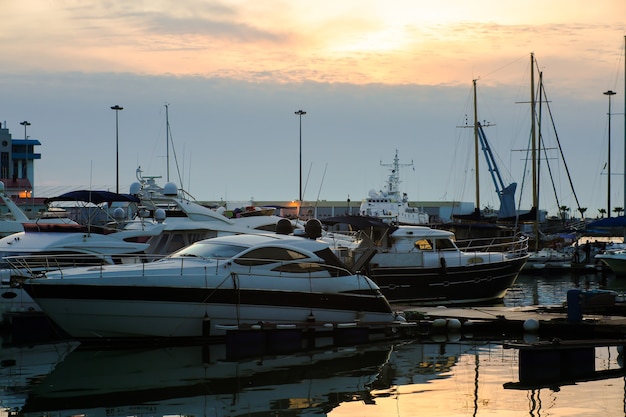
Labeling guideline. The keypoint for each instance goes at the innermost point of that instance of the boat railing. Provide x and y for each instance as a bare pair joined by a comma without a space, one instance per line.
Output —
36,266
514,246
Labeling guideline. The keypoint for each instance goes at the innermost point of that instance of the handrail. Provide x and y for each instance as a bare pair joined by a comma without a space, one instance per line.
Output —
33,266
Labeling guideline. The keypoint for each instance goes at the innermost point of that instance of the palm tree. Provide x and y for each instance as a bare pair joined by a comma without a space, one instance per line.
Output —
582,212
618,210
563,210
602,212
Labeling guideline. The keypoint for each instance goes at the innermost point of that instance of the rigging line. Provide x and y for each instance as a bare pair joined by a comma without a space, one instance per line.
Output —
169,130
545,151
558,141
505,66
542,146
308,175
526,159
320,190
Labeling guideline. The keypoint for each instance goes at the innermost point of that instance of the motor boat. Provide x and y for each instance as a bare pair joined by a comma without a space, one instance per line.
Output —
422,265
150,220
13,219
615,259
66,245
210,287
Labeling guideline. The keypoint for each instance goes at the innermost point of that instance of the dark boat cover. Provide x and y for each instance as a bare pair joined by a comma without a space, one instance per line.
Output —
619,221
357,222
94,196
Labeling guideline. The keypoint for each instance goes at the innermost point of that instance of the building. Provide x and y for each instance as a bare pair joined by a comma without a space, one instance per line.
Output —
17,168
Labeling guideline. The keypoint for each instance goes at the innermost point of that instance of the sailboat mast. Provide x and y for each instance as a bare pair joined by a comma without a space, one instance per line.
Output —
476,151
625,124
167,141
533,134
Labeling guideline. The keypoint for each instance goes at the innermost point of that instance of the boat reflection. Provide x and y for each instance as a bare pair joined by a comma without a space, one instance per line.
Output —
24,365
197,380
200,380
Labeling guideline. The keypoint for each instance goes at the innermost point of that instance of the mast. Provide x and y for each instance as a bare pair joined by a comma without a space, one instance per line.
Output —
476,152
534,150
167,141
393,183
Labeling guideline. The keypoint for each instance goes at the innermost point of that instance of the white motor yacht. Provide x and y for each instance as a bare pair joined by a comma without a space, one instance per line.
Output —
210,286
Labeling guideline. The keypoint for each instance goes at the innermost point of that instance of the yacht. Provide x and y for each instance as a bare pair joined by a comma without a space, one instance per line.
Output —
210,287
390,205
423,265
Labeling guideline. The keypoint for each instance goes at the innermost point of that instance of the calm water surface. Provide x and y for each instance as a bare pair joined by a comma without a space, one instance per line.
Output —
454,375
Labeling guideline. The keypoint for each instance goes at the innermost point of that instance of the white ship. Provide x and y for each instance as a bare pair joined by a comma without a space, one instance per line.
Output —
389,204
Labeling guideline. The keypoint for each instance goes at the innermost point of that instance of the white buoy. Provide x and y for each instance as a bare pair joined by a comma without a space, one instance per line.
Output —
440,322
531,325
454,324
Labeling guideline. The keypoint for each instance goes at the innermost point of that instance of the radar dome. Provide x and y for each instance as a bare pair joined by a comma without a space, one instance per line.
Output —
170,189
135,188
159,215
119,214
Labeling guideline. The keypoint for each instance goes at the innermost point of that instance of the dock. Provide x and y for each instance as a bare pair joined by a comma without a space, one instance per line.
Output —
545,321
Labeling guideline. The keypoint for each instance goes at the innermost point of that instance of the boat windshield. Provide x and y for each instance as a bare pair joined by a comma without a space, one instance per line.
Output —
208,249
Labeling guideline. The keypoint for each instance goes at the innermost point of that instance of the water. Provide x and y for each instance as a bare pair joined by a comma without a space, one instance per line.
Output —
453,375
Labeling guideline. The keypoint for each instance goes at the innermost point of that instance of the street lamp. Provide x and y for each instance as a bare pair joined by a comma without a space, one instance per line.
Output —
117,149
25,123
300,113
609,93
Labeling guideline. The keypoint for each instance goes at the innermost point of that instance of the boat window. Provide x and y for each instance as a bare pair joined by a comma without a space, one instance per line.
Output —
268,255
334,265
423,244
176,242
207,249
442,244
299,267
266,227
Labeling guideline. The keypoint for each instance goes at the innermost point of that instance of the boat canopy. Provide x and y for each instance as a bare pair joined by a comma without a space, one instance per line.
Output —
94,196
608,222
358,222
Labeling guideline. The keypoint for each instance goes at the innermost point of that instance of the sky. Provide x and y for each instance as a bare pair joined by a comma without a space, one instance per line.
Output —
374,78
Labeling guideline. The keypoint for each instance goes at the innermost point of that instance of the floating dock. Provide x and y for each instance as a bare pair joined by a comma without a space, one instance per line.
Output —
503,321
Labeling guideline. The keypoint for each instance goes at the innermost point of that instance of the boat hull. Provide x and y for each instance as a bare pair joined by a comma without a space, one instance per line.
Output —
616,262
137,312
447,285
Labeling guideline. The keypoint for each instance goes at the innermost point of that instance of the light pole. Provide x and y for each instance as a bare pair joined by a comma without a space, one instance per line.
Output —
608,208
117,148
300,113
25,123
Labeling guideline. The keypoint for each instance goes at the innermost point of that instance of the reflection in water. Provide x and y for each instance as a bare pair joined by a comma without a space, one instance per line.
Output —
21,367
197,381
464,378
551,288
454,376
